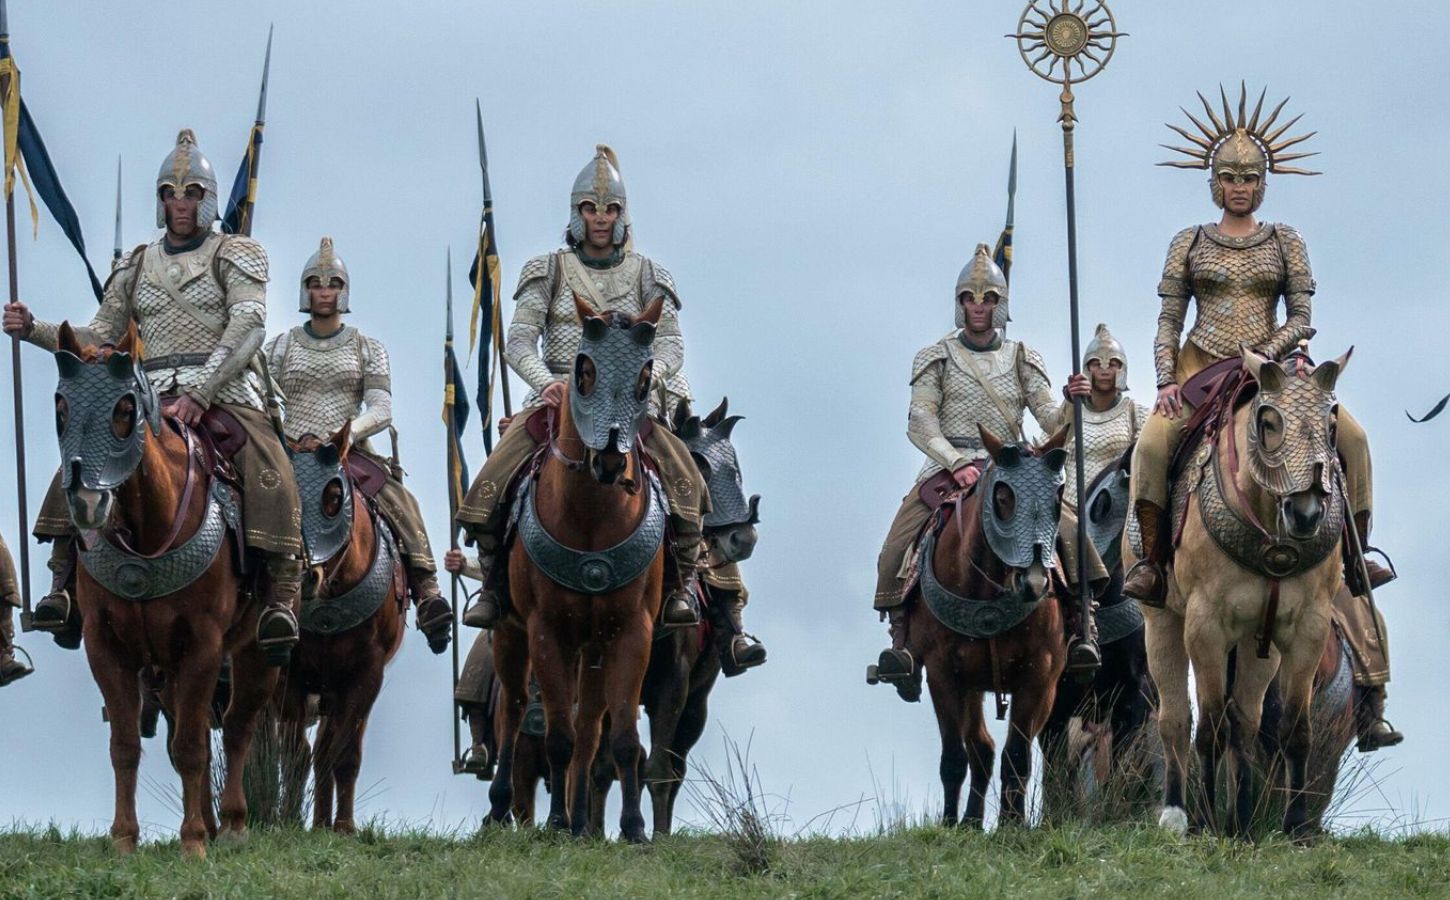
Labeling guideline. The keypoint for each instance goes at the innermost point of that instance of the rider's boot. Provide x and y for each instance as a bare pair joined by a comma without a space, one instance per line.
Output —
896,665
434,616
488,608
738,650
277,625
11,669
1379,576
57,613
681,607
1083,655
477,761
1147,581
1375,731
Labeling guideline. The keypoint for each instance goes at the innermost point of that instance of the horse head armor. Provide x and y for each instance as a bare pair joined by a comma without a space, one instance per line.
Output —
1022,503
100,406
326,494
1292,430
613,371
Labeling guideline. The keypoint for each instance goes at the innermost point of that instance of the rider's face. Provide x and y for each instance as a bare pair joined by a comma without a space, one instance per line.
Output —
978,313
1238,192
323,297
599,224
181,208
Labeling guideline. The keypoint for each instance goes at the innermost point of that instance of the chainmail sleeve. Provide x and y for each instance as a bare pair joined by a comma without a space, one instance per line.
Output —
377,395
1049,412
531,312
242,264
1174,289
110,321
923,419
1298,289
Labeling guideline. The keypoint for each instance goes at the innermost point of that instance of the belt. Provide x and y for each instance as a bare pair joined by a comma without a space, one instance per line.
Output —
175,361
963,443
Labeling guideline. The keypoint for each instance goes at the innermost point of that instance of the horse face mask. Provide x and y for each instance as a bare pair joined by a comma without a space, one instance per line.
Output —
1032,489
101,411
609,393
1292,429
326,494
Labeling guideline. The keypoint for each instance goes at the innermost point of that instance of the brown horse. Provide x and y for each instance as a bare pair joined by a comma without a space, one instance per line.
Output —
1266,590
352,626
160,587
592,519
980,623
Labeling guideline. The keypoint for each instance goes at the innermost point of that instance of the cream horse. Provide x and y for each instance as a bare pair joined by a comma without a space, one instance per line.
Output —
1257,568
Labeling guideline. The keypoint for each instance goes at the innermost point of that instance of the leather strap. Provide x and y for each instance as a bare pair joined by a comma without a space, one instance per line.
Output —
996,398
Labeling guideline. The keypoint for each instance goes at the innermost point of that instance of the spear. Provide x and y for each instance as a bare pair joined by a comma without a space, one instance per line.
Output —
8,85
242,204
116,248
450,393
491,241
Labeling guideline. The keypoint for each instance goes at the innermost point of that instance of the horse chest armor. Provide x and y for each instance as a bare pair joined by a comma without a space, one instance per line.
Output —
136,578
1237,291
1106,436
331,615
977,619
322,379
588,571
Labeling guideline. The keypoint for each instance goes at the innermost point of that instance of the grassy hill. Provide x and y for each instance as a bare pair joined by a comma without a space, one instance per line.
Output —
924,862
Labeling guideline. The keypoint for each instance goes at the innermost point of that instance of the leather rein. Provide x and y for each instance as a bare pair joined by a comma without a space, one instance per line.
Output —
630,485
193,459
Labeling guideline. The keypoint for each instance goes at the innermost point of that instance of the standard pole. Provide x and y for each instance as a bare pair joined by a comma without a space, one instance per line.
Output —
1085,597
18,397
452,456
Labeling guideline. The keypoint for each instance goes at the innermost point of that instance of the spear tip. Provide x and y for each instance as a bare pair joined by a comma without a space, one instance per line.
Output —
266,72
448,281
4,20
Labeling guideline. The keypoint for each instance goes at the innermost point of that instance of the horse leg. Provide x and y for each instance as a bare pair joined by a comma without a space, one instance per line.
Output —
665,712
253,683
351,722
1209,649
1168,664
190,747
1251,680
511,668
296,754
116,677
625,662
324,772
1300,657
687,733
1031,704
1059,773
587,724
949,704
558,686
601,778
981,758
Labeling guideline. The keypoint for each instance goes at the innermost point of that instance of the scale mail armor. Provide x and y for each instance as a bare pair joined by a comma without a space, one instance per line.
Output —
948,401
1106,436
1237,283
544,308
201,314
330,381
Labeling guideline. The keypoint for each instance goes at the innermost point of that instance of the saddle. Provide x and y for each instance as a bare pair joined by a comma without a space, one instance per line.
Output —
219,435
1207,392
366,475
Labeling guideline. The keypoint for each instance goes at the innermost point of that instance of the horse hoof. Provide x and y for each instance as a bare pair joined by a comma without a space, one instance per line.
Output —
193,849
232,836
1174,820
344,827
124,846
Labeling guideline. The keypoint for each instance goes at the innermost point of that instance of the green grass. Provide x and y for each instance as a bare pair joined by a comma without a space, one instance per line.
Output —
1123,862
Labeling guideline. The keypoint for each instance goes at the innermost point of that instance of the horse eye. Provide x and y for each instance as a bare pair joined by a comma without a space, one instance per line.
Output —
703,464
62,413
641,383
584,375
1004,501
1271,429
332,499
123,418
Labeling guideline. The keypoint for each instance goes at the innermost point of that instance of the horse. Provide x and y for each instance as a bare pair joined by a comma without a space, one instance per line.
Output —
1237,583
160,586
352,625
1121,695
984,617
586,576
684,662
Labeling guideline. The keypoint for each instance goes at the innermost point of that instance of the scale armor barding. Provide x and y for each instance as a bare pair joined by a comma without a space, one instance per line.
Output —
1236,283
980,275
600,183
324,265
185,165
1106,436
327,381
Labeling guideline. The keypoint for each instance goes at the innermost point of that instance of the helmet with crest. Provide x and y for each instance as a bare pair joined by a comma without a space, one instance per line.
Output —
324,265
979,277
599,183
185,167
1103,349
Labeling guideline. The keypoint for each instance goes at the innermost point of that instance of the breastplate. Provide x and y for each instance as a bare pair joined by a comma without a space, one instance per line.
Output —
1106,436
615,288
323,381
1236,283
965,402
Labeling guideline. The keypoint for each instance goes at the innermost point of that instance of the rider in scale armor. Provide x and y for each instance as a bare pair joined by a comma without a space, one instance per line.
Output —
1110,420
1236,271
11,669
331,375
198,300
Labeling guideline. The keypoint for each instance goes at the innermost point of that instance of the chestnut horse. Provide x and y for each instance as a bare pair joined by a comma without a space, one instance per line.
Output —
1017,644
352,626
589,644
1266,590
160,585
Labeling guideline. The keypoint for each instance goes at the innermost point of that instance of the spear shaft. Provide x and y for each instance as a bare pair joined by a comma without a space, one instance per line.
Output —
449,386
503,369
116,247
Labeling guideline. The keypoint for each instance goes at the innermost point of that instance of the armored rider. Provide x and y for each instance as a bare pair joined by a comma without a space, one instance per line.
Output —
1111,419
973,376
332,375
1235,271
198,299
11,669
599,266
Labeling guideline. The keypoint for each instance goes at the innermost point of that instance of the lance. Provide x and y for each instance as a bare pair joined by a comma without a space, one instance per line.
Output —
116,246
487,222
246,208
1068,41
9,83
448,393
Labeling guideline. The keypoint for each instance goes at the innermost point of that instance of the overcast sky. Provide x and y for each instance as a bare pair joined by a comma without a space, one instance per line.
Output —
814,175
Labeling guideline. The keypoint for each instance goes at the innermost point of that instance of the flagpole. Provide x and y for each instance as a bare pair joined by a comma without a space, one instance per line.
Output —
503,369
7,84
116,247
452,457
1052,42
255,147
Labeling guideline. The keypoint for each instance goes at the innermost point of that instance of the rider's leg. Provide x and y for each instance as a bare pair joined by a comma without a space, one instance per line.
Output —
738,651
1359,482
896,662
485,510
475,683
1147,581
399,507
281,595
57,612
1083,656
688,500
11,669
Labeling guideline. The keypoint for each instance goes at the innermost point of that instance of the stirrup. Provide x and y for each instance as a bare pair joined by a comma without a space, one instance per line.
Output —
484,613
52,624
735,664
672,617
15,674
476,762
277,648
1377,740
1083,660
1155,596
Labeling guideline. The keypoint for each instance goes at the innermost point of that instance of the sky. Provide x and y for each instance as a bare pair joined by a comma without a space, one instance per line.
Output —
814,175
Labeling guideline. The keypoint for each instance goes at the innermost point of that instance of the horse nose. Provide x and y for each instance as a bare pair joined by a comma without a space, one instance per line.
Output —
741,542
614,440
1037,572
1303,512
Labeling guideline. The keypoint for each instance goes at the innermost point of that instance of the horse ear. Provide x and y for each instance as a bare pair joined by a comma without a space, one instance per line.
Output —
66,340
642,333
690,428
652,312
68,363
130,340
1055,458
717,414
583,310
990,441
727,426
1326,375
343,440
1269,374
682,414
1058,439
119,366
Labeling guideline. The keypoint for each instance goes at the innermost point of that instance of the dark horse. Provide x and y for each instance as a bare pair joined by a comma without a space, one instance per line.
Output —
684,663
980,622
352,626
160,584
586,576
1120,695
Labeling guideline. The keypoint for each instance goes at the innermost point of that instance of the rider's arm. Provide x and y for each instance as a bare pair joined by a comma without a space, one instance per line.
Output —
531,311
243,270
110,322
1174,289
923,420
377,397
1050,413
1298,289
669,346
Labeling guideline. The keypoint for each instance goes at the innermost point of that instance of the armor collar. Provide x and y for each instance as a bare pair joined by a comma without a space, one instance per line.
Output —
991,347
171,249
1098,416
307,327
1261,234
608,262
